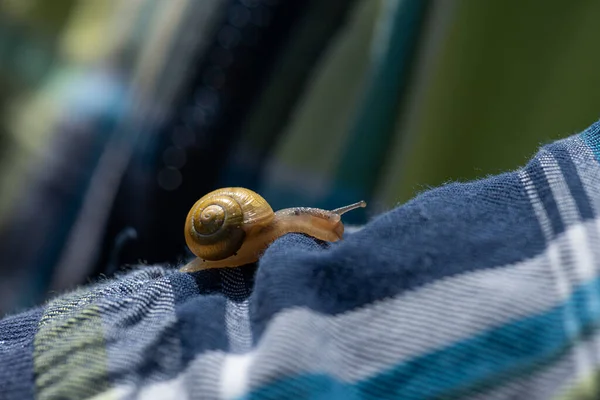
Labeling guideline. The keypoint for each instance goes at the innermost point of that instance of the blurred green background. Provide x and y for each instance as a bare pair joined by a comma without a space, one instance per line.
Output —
490,82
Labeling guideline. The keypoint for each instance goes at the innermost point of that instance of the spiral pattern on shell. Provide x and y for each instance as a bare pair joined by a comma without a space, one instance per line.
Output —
216,225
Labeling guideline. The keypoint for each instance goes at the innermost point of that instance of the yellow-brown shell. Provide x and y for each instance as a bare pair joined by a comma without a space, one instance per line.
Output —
217,224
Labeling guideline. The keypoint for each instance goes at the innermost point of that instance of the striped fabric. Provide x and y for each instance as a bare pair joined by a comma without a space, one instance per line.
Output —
479,290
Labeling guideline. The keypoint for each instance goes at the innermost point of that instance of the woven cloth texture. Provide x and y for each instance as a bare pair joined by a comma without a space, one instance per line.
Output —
484,290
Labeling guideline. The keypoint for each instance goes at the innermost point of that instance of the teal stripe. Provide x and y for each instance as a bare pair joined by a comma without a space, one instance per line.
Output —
591,137
482,361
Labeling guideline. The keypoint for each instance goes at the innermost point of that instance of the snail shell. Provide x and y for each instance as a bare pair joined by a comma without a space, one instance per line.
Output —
233,226
218,223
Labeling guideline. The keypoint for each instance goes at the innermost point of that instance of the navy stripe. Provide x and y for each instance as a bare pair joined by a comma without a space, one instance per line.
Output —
16,355
451,230
200,311
573,180
544,192
184,287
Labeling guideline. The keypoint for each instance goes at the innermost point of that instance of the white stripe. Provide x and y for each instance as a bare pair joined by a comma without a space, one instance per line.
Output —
537,205
560,190
196,382
141,306
173,389
169,390
237,311
234,380
115,393
553,252
200,380
580,250
234,369
237,325
576,247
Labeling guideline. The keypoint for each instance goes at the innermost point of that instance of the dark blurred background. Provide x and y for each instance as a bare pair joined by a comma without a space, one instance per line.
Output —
116,116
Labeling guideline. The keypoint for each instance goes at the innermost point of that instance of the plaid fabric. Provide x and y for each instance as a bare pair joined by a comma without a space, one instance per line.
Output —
484,290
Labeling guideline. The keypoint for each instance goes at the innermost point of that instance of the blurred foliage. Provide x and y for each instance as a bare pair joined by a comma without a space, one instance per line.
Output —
507,77
491,81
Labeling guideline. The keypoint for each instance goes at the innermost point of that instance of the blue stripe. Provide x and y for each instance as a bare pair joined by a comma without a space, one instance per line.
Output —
591,136
536,172
482,361
572,178
200,312
16,355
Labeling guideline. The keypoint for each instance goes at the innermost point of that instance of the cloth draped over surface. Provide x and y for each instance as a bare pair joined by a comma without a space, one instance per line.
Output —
487,289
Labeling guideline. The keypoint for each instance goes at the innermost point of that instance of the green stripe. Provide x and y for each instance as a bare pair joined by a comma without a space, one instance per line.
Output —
586,389
70,358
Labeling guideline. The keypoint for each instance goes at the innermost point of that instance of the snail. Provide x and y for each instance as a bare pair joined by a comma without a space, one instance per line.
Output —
231,227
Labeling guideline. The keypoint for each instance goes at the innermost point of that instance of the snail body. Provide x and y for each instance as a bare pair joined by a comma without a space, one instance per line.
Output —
230,227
